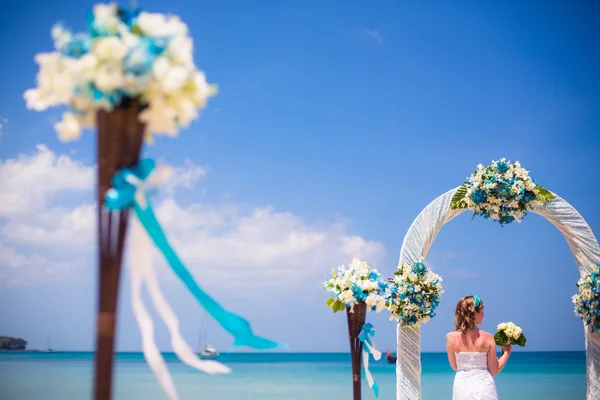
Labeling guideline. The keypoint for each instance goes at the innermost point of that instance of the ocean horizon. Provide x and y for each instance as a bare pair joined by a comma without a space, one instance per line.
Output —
33,375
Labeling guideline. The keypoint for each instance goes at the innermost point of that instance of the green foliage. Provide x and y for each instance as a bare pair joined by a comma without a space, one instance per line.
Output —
544,195
458,200
336,305
502,340
10,343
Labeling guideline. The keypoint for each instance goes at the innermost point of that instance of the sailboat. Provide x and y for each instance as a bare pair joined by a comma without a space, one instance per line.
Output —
48,348
208,352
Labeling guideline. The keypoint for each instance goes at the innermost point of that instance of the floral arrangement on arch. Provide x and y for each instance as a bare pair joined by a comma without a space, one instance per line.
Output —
359,283
413,294
503,192
124,56
587,301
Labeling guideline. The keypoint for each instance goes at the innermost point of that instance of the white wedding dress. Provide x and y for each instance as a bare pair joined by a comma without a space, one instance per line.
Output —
473,380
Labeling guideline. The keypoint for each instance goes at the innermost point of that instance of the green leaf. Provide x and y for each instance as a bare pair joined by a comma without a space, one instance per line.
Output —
330,302
338,306
500,338
136,30
458,200
544,195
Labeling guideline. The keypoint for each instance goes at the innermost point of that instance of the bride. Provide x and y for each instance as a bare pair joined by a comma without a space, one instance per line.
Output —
472,353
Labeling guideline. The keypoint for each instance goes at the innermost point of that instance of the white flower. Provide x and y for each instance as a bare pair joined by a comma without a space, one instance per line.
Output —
502,326
157,25
60,35
159,118
69,128
346,296
109,77
106,19
180,50
174,79
56,81
110,48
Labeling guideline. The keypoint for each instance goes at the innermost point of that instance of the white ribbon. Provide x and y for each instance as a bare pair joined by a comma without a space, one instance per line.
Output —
376,355
142,271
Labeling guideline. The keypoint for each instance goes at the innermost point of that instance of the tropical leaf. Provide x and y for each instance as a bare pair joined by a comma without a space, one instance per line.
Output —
543,194
458,200
330,302
500,338
338,306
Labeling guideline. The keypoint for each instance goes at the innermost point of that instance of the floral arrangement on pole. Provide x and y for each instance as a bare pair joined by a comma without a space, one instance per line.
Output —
358,289
413,294
359,283
503,192
509,333
587,301
131,75
124,55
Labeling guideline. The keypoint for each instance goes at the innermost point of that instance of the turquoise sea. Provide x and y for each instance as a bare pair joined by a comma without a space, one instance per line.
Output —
290,376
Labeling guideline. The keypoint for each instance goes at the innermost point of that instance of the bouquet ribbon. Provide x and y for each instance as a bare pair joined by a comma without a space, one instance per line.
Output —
366,337
132,188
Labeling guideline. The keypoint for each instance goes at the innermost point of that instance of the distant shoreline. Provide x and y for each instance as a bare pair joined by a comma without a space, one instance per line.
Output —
265,352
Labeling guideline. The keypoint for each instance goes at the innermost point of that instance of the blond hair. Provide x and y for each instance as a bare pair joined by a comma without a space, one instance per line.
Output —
465,313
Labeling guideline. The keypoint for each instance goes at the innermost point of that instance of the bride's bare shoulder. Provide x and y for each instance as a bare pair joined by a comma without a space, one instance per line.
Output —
486,335
452,334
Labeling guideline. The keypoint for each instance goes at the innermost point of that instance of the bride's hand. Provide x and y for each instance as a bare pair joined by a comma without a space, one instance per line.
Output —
507,348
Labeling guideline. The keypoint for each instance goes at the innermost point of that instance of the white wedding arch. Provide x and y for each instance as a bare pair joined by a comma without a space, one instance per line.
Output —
416,244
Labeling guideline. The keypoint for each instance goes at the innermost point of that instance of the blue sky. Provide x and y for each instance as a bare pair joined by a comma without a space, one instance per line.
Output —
336,123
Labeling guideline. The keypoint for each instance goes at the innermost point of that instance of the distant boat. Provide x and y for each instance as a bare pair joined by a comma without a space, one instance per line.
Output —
208,352
390,357
48,348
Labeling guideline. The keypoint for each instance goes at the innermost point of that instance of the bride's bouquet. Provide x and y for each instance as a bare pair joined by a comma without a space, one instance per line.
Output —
509,333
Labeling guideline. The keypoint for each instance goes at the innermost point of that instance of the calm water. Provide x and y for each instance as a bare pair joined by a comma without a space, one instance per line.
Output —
290,376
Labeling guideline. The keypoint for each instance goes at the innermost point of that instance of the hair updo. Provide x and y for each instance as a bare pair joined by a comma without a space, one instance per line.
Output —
465,313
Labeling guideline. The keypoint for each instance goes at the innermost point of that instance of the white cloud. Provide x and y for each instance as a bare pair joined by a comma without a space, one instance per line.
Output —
3,122
24,268
218,242
373,33
29,181
463,273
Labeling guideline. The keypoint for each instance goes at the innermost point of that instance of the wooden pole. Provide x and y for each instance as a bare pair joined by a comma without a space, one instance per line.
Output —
120,138
356,320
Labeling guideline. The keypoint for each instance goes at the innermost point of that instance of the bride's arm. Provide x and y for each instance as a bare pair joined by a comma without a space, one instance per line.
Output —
451,355
495,365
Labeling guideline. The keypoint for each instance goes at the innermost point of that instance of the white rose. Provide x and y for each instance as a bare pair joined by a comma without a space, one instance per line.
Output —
69,128
109,78
502,326
157,25
180,50
110,48
105,15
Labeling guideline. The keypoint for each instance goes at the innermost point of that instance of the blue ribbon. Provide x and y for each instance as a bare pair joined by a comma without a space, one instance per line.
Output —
128,187
366,337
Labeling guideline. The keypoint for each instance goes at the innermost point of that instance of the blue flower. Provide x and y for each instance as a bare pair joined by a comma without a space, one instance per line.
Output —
502,167
129,18
79,45
478,196
358,292
140,59
106,99
419,268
